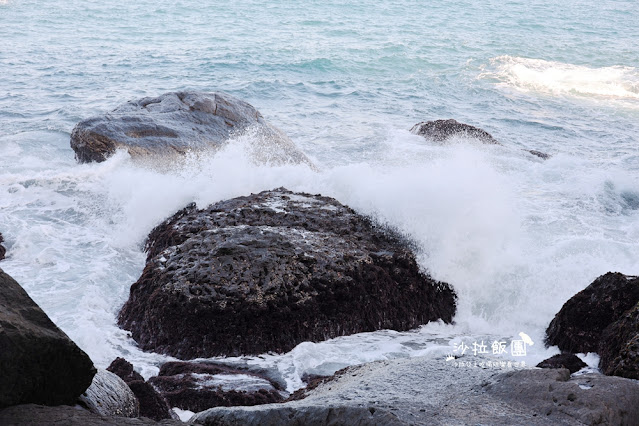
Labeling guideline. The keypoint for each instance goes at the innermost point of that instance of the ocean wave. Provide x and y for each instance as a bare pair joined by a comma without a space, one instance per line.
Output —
557,78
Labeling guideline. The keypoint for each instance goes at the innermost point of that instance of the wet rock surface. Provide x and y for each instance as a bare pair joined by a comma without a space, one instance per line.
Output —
579,325
108,395
202,385
569,361
38,362
31,414
268,271
441,130
619,347
152,404
426,391
179,122
3,250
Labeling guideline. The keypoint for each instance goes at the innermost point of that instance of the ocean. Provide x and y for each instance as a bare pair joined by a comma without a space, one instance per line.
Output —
516,236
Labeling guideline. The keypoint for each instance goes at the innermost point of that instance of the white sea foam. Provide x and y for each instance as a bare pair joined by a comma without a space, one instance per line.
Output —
557,78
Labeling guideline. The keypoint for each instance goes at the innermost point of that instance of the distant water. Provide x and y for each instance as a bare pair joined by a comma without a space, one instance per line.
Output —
516,236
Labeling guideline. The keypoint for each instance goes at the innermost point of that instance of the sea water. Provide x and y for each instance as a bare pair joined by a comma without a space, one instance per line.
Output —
515,236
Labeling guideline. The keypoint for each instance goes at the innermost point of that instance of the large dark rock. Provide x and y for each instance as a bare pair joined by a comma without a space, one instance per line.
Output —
441,130
38,362
268,271
619,347
109,395
152,404
579,325
176,123
570,361
202,385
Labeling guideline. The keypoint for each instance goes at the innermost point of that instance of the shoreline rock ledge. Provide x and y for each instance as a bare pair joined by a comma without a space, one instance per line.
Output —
268,271
179,122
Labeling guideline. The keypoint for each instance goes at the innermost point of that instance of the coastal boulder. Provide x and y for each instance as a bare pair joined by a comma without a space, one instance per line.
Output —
619,346
179,122
268,271
151,403
108,395
579,325
202,385
441,130
570,361
39,364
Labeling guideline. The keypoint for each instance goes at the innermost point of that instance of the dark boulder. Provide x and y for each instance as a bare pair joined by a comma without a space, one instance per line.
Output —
579,325
202,385
3,250
570,361
619,347
441,130
151,403
268,271
179,122
38,363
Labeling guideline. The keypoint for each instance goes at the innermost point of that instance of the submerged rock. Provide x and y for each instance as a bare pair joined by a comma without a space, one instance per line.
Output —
619,347
152,405
179,122
202,385
108,395
579,325
570,361
268,271
441,131
38,362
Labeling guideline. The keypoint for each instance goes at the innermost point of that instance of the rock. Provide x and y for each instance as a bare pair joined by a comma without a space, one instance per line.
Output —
590,398
441,130
108,395
3,250
427,391
152,404
578,326
31,414
266,272
179,122
124,370
199,386
308,416
38,362
570,361
619,347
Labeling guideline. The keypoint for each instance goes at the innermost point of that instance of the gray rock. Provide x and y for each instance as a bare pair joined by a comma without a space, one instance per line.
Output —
109,395
37,415
425,391
3,250
179,122
38,362
268,271
570,361
590,398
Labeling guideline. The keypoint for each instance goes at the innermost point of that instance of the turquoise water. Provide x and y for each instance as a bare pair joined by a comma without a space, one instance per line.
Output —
516,236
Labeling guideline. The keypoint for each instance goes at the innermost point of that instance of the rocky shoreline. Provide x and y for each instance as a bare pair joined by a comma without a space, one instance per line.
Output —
265,272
